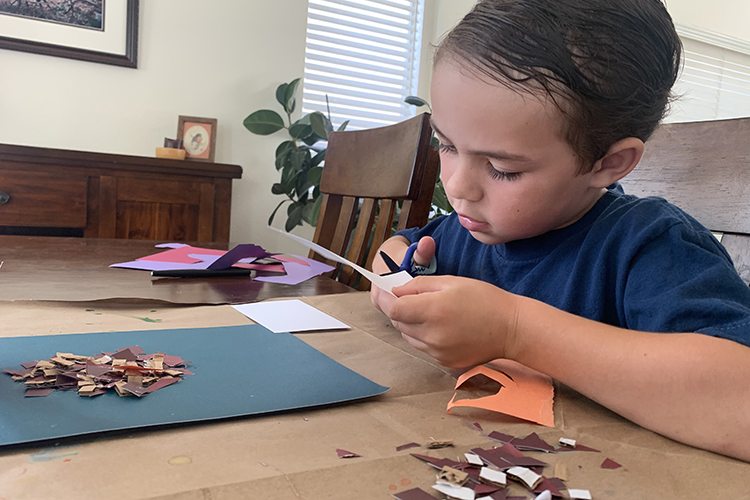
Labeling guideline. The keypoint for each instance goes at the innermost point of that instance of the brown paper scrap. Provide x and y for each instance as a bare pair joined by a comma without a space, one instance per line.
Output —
452,476
436,445
346,454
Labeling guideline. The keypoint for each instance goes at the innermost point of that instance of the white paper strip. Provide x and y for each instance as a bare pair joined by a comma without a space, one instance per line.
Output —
383,282
474,459
458,492
580,494
527,476
568,442
492,476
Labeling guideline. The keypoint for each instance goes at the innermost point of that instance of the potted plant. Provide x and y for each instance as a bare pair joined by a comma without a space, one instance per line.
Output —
299,157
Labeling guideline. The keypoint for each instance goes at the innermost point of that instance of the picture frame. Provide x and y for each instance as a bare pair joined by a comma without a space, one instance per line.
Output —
193,131
116,42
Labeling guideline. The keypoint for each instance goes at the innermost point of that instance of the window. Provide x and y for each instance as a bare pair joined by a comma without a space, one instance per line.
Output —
363,55
715,80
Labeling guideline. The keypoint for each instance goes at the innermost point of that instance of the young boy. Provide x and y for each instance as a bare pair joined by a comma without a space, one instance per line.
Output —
541,106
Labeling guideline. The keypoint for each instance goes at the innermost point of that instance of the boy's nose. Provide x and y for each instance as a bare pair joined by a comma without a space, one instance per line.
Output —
463,181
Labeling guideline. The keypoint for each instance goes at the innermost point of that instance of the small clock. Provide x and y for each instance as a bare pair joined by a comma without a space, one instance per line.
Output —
198,136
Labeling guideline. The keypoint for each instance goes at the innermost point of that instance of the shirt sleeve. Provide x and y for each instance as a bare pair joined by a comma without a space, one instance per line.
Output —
684,281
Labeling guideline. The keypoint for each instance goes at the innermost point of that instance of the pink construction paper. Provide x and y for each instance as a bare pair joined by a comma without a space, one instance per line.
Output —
297,273
182,254
291,258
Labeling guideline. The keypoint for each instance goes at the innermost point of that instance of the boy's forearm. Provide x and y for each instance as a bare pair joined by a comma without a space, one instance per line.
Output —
395,247
690,387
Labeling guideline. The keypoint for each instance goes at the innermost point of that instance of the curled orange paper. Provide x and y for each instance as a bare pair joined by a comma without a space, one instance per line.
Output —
525,393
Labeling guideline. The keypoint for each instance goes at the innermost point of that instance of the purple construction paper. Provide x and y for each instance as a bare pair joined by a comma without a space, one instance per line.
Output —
171,245
155,265
239,252
297,273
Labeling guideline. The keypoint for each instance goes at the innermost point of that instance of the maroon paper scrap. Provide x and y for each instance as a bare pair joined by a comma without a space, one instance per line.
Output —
546,484
38,393
135,349
511,450
532,442
478,426
125,354
29,364
407,446
580,447
610,464
492,459
136,390
161,383
499,436
413,494
17,373
557,483
485,489
501,494
346,454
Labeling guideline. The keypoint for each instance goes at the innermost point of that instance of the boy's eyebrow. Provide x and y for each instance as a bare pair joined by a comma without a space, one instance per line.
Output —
497,155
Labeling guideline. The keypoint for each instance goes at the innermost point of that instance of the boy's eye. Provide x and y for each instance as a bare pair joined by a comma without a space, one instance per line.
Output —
506,176
445,148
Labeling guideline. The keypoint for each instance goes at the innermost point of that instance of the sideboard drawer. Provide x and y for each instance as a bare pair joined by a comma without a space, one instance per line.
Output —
41,199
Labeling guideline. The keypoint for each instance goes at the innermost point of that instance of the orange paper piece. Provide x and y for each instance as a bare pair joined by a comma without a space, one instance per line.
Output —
525,393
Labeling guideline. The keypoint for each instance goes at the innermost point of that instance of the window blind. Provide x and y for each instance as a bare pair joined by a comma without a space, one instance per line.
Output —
715,79
363,55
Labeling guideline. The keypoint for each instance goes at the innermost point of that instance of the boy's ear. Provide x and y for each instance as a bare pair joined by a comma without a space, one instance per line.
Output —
619,161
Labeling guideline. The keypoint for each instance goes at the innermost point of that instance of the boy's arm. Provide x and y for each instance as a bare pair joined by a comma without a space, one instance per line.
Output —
690,387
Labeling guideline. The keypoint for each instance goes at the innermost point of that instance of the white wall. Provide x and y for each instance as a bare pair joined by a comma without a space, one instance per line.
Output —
727,17
221,59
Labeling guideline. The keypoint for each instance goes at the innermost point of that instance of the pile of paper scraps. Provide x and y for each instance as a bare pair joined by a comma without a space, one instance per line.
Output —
128,370
270,267
489,473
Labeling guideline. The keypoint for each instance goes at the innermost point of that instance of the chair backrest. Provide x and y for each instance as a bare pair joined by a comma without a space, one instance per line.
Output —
703,168
366,174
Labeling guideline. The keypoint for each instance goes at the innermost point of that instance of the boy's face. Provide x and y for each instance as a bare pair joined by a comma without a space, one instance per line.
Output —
506,169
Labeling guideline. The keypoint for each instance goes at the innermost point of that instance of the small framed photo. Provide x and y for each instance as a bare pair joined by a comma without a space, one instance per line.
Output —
198,136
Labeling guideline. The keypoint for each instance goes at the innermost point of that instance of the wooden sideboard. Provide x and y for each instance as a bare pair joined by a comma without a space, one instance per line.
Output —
56,192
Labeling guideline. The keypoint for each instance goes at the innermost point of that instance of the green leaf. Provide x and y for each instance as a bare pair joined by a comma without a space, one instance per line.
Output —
273,214
318,158
280,93
295,217
318,123
312,139
307,210
278,188
315,211
415,101
300,130
314,175
343,126
264,122
290,90
298,157
284,147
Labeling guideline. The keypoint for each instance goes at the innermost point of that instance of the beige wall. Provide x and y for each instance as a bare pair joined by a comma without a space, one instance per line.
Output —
221,59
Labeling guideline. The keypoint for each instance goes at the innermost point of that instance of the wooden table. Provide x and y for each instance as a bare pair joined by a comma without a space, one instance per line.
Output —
76,269
292,456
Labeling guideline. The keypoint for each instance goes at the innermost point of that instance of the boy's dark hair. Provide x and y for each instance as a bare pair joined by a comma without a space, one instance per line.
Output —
608,65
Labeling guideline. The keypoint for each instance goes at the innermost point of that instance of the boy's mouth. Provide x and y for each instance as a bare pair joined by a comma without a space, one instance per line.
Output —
472,224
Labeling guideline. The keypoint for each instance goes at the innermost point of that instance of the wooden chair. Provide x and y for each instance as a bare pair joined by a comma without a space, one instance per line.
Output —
703,168
366,174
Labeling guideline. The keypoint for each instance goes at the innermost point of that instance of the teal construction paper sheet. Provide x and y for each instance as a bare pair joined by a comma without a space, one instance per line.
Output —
239,370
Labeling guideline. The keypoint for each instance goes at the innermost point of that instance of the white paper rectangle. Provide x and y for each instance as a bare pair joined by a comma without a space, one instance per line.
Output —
474,459
385,283
580,494
493,476
289,316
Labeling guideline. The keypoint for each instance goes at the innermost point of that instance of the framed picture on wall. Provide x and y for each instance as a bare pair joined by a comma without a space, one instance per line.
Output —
95,30
198,136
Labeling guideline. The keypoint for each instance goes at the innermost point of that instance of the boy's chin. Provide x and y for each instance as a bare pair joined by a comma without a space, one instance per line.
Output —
488,238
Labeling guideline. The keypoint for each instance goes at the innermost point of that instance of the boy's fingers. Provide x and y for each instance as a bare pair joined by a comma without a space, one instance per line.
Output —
420,284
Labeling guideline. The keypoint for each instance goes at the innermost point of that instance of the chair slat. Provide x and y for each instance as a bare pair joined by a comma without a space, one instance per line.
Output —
382,232
359,240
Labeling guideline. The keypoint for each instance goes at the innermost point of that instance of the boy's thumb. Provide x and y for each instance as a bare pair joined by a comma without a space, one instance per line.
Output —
425,251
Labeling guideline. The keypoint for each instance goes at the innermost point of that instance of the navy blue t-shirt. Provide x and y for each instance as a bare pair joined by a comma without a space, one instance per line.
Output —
636,263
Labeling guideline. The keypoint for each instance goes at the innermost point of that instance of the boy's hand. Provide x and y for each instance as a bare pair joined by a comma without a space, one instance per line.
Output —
396,249
458,321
